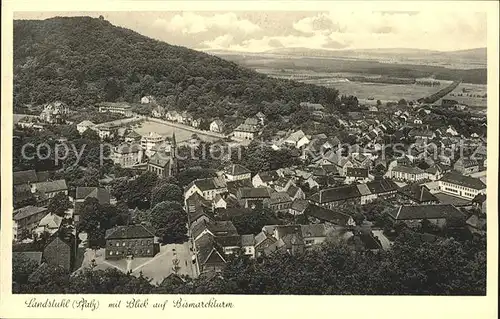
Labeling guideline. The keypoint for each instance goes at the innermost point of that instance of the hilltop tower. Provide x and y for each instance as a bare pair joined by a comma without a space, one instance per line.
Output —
173,157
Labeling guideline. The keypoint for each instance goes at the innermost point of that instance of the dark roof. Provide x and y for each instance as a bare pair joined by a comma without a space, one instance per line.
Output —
300,205
279,197
259,192
327,215
313,230
160,158
477,222
336,194
206,246
462,180
28,211
231,212
268,176
382,186
236,169
357,172
467,162
233,186
228,241
247,240
43,176
217,228
35,256
100,193
407,169
367,240
292,190
418,193
205,184
131,231
24,177
53,186
479,198
22,192
417,212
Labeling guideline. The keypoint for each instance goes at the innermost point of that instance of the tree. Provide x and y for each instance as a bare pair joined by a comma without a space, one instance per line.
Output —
22,267
166,192
252,223
169,221
379,102
59,204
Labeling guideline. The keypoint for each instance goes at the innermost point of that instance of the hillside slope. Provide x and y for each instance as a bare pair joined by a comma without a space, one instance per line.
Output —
82,61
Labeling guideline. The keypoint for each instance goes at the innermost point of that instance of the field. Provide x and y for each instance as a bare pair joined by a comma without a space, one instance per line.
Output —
473,95
167,130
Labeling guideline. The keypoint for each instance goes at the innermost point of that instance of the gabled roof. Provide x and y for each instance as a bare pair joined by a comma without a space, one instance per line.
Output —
357,172
292,190
299,205
418,212
248,193
407,169
260,237
279,197
336,194
128,232
160,158
327,215
206,246
100,193
268,176
86,123
206,184
247,128
53,186
236,169
247,240
28,211
313,230
217,228
51,221
24,177
228,241
418,193
462,180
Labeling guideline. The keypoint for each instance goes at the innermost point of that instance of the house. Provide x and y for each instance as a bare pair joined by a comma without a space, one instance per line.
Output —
54,112
354,194
253,197
298,207
85,125
434,173
49,224
127,155
317,214
248,245
436,214
480,202
116,107
208,188
466,166
217,126
219,202
236,172
131,240
295,192
22,196
265,179
51,188
417,194
24,177
246,131
209,255
476,225
163,164
82,193
261,117
158,111
263,241
105,130
196,122
297,139
313,234
148,99
173,116
354,174
408,173
459,185
58,253
27,219
279,202
132,137
151,141
215,228
230,244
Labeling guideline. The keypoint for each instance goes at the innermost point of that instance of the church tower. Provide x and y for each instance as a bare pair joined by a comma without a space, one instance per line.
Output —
173,157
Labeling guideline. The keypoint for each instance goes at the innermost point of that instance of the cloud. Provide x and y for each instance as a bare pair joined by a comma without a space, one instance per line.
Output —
425,30
192,23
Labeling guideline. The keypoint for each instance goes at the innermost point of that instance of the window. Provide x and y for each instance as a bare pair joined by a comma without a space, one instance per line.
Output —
117,244
124,243
149,242
148,251
142,242
110,252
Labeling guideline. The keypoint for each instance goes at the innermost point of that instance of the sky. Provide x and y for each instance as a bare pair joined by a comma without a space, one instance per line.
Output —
263,31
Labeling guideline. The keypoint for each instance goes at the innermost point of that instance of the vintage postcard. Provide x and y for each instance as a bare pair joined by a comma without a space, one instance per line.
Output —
249,158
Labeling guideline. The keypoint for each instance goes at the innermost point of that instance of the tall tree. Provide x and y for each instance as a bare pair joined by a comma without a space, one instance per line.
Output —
170,222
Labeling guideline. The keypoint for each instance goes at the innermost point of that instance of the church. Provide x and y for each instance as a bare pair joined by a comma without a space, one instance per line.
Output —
164,161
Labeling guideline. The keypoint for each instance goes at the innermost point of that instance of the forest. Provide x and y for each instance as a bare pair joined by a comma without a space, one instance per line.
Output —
82,61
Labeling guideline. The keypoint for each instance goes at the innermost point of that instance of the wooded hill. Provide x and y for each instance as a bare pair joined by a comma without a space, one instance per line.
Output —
83,60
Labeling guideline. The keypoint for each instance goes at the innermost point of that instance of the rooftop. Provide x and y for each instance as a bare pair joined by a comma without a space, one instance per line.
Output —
127,232
462,180
412,212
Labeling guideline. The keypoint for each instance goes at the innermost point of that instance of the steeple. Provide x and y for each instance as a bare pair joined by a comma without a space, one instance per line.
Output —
173,156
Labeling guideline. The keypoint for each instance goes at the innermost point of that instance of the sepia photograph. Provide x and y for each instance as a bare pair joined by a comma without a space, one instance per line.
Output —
250,152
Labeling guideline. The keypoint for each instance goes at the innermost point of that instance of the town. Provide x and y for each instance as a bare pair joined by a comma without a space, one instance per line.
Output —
182,173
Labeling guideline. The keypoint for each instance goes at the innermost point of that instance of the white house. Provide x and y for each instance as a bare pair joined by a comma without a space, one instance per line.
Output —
84,125
237,172
148,99
461,186
217,126
208,188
